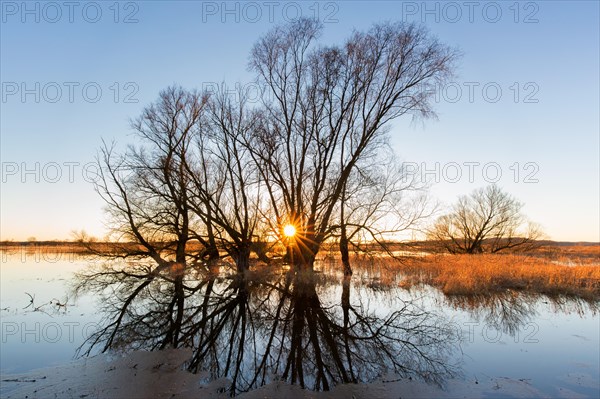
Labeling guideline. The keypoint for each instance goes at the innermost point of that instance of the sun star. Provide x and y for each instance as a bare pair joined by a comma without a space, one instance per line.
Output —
289,230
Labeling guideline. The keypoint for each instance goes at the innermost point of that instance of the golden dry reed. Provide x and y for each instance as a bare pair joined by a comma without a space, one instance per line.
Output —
488,273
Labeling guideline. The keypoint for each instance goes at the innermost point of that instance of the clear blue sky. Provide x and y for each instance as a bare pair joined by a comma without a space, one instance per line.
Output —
525,98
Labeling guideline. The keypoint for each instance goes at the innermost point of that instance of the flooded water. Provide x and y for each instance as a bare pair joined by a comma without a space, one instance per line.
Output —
316,330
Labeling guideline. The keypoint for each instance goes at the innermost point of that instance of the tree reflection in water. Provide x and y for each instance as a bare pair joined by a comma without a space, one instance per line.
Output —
506,312
258,326
510,312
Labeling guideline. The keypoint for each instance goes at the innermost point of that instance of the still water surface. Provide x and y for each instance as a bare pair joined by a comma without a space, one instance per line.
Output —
315,332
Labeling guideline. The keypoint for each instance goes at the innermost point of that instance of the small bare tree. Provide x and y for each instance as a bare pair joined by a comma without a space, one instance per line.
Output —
487,220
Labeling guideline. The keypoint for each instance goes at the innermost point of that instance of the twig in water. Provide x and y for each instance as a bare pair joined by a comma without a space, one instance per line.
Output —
31,298
22,380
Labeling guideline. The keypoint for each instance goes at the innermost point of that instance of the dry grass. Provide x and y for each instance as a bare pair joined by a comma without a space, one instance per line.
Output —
572,255
569,270
480,274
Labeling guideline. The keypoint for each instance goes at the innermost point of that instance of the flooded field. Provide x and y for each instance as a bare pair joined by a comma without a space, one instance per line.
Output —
315,330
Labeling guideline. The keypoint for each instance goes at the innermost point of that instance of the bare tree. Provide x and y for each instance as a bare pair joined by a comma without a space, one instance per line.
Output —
146,190
227,185
380,202
191,180
215,172
487,220
328,108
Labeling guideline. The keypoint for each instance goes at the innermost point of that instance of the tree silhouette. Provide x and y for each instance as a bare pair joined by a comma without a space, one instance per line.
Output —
214,176
327,110
488,220
378,203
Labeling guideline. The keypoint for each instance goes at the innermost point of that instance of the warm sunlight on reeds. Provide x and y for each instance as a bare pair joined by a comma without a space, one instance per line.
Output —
468,274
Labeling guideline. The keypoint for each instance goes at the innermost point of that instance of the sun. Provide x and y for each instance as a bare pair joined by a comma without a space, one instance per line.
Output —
289,231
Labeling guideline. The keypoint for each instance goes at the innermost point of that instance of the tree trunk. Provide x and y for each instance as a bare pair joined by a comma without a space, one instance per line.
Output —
344,237
211,253
302,257
260,249
242,258
301,251
345,254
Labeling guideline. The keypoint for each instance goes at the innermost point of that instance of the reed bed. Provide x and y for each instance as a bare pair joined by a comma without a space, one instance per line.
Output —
488,273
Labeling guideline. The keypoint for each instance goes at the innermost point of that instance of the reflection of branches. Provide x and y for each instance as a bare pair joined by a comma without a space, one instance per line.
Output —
318,348
573,304
249,326
507,312
510,311
34,308
225,334
410,340
143,305
31,299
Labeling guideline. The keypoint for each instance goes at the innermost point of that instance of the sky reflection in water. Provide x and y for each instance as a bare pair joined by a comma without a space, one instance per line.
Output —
312,330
